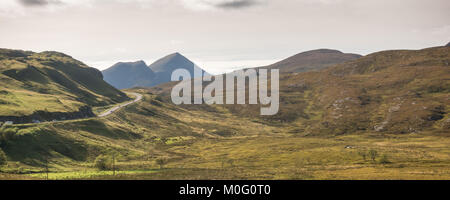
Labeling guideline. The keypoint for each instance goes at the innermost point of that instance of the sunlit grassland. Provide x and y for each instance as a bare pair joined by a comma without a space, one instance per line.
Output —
87,174
259,156
216,144
322,158
22,102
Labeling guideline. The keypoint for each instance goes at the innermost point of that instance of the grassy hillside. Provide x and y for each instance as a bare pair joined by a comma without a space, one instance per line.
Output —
312,60
383,116
391,92
50,82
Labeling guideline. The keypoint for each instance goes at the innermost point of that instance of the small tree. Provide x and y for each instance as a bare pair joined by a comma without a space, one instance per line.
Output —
161,162
102,162
384,159
363,155
3,159
373,154
231,162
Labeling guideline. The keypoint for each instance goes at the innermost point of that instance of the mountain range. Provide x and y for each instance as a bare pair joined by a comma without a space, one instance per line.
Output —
137,74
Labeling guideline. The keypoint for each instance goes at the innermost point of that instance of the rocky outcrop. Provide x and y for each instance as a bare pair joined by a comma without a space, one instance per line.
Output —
42,116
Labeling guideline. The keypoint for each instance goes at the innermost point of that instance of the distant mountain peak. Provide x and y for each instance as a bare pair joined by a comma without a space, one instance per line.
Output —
323,51
124,75
136,62
172,62
173,56
448,44
140,64
137,74
176,54
313,60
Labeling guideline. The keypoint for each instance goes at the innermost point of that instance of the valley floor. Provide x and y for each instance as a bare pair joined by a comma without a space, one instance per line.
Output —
399,157
201,145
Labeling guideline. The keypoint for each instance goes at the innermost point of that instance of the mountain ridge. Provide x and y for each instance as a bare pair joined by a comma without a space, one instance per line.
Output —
162,71
312,60
124,75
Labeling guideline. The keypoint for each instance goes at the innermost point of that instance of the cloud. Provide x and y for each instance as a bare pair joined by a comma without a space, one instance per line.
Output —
220,4
37,3
237,4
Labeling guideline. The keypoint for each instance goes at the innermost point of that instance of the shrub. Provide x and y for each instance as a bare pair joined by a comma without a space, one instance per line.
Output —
3,159
159,98
7,134
231,162
384,159
161,162
363,155
103,162
373,154
156,103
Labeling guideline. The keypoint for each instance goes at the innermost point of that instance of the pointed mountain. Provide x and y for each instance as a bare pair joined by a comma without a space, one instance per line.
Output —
137,74
313,60
166,65
129,74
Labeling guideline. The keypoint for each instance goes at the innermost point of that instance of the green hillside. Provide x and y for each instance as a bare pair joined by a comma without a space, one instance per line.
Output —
50,82
312,61
392,91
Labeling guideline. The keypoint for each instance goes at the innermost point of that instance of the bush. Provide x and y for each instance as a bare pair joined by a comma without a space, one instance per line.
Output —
363,155
161,162
7,134
384,159
373,154
3,159
103,162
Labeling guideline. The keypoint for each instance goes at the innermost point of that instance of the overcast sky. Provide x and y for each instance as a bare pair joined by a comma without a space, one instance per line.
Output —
219,35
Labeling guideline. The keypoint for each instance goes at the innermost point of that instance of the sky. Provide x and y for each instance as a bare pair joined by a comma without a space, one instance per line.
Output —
219,35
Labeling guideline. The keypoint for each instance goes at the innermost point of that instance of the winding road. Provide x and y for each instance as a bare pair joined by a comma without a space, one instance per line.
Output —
115,108
104,114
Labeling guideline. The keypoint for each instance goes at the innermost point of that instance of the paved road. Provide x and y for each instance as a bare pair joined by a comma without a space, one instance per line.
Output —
115,108
106,113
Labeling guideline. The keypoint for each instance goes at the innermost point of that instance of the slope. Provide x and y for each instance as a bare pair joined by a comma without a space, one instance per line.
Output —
312,60
50,82
402,91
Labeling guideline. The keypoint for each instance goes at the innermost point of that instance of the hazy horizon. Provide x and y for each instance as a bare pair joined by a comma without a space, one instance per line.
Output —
219,35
